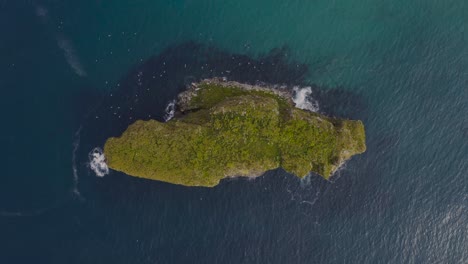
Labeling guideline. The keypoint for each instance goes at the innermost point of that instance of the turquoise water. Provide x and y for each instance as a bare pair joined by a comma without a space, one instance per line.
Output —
403,64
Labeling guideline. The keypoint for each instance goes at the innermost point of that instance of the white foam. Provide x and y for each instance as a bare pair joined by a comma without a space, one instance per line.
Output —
306,181
308,192
76,145
97,162
169,111
303,99
338,172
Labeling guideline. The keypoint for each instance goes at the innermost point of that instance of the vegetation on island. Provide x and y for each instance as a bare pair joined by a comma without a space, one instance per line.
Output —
227,129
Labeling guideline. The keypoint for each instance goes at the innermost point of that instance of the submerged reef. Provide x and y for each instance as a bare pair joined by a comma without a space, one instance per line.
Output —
227,129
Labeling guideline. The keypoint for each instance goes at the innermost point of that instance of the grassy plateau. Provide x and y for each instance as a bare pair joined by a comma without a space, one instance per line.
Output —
228,129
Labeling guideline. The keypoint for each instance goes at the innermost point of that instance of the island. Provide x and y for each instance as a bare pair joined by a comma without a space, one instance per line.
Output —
229,129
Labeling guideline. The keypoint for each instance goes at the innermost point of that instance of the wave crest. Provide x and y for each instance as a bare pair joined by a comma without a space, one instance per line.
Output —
97,162
303,99
169,111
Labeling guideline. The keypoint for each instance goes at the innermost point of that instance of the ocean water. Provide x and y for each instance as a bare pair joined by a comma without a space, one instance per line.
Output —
73,73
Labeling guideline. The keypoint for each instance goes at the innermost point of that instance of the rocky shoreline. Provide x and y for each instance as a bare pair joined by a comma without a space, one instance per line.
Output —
227,129
186,96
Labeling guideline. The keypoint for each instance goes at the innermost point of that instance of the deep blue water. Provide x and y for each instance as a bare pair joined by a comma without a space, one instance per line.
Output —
73,73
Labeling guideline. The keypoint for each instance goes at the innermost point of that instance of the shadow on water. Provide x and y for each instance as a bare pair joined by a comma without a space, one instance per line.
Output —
145,91
148,87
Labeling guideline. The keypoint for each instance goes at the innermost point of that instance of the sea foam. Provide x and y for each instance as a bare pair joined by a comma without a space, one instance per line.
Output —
303,99
97,162
76,145
169,111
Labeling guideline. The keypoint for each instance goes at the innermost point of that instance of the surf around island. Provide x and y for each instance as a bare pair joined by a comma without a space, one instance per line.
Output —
228,129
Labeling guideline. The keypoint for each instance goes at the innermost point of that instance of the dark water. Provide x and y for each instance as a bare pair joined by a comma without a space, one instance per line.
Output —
73,73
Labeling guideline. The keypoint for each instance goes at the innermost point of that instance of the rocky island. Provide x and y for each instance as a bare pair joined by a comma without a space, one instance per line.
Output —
228,129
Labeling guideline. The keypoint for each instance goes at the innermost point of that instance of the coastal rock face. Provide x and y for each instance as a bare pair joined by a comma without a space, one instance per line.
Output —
227,129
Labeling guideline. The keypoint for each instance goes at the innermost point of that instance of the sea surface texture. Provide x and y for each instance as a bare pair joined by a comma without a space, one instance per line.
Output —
73,73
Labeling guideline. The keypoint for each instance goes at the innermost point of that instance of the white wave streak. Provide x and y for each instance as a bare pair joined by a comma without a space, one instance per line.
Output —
97,162
169,111
312,203
338,172
70,55
303,99
76,145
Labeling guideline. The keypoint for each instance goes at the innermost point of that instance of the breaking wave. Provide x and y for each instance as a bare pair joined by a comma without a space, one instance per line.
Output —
338,172
97,162
169,111
303,99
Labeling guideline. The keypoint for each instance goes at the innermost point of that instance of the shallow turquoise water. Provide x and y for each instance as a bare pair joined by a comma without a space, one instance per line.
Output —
404,201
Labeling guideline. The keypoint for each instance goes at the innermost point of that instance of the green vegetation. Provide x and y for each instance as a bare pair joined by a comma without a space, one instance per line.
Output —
227,130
